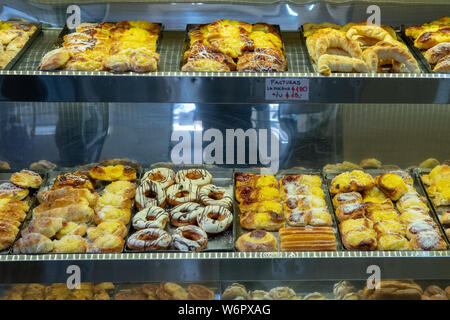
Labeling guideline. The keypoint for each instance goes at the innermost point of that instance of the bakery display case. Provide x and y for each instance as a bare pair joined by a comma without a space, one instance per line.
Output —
267,150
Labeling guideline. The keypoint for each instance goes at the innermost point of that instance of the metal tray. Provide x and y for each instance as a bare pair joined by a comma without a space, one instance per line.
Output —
216,243
60,40
329,175
416,52
438,211
30,199
186,45
240,231
100,186
313,67
33,37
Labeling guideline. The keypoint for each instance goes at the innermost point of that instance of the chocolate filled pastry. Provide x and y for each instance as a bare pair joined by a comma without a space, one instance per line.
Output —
199,292
236,291
33,243
12,192
165,177
107,243
196,177
255,180
346,198
26,179
113,173
211,195
351,211
152,217
185,214
393,290
78,179
257,240
190,238
391,185
150,194
270,221
214,219
149,239
355,180
182,193
427,240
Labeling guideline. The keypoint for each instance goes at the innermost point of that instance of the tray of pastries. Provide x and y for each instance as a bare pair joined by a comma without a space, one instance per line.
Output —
15,38
115,47
81,211
229,45
431,41
286,212
166,291
436,183
383,210
186,209
17,196
357,47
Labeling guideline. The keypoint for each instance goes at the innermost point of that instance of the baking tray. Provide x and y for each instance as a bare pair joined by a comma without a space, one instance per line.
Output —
222,242
65,30
438,211
329,175
186,45
100,185
30,199
416,52
33,37
240,231
313,67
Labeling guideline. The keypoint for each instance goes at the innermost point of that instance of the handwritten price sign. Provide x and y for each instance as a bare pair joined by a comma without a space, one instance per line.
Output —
287,89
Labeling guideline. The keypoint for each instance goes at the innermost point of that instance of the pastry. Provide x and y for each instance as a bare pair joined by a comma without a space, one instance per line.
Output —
107,213
73,212
182,193
383,205
213,195
392,241
342,288
130,294
149,239
282,293
4,166
443,65
262,60
429,163
346,198
369,35
70,244
374,195
328,63
257,240
370,163
152,217
301,184
364,240
270,221
71,228
108,227
307,239
185,214
125,189
389,226
43,165
26,179
427,240
163,176
411,200
438,181
33,243
112,199
434,293
417,226
123,161
150,194
13,37
255,180
261,206
392,185
12,192
68,194
236,291
106,244
113,173
171,291
393,290
199,292
355,180
445,218
259,295
8,233
383,215
189,238
314,296
355,225
196,177
350,211
313,217
47,226
214,219
412,214
78,179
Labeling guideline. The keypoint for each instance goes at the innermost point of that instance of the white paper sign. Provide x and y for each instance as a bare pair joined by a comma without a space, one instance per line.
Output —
287,89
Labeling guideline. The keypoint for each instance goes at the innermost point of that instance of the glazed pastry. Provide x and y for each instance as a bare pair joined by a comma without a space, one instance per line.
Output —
8,233
46,226
108,227
68,194
392,241
355,180
282,293
113,173
445,218
74,212
255,180
256,194
26,179
262,60
298,184
149,239
389,226
438,181
190,238
112,199
434,293
125,189
33,243
262,206
150,194
313,217
405,176
270,221
214,219
108,213
385,205
259,295
152,217
303,203
436,53
123,161
418,226
78,179
427,240
106,244
351,211
171,291
412,214
196,177
163,176
346,198
307,239
380,215
374,195
393,290
411,199
12,192
364,240
185,214
236,291
211,195
355,225
70,244
71,228
182,193
199,292
257,240
392,185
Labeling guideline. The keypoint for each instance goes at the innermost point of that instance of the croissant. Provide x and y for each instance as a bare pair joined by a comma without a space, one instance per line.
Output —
74,212
386,50
368,35
45,226
336,39
332,63
55,59
443,65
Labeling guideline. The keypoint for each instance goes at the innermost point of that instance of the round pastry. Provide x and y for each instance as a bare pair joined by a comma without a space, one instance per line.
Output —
417,226
236,291
199,292
185,214
126,189
153,217
211,195
70,244
165,177
33,243
171,291
106,244
434,292
197,177
314,296
150,194
259,295
214,219
12,192
282,293
257,240
190,238
427,240
108,213
108,227
130,294
348,197
182,193
149,239
26,179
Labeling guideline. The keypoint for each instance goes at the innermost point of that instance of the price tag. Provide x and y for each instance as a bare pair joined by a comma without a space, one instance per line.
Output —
287,89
